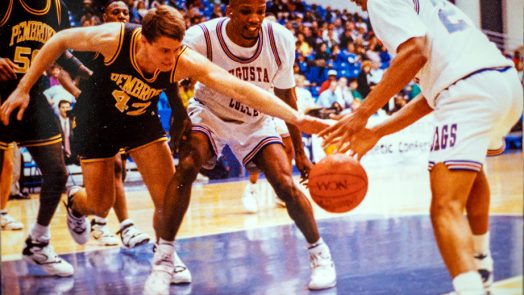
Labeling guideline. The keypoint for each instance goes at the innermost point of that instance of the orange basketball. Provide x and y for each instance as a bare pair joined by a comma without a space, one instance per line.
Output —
338,183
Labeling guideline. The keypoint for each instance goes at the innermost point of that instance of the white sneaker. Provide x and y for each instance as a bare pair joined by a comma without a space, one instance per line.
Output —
43,255
249,199
484,265
7,222
79,227
132,237
323,273
161,274
101,233
181,274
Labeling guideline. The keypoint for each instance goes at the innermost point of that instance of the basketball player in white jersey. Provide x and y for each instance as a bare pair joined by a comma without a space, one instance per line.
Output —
252,190
261,53
476,97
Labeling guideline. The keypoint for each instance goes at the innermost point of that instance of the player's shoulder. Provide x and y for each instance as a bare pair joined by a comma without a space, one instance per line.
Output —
197,31
278,29
211,25
280,32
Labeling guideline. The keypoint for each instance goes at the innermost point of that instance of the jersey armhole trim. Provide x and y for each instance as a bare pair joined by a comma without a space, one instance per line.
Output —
58,12
273,45
8,13
182,50
117,52
209,49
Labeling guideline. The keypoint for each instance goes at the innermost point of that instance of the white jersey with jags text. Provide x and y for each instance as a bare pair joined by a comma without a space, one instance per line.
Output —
457,47
268,64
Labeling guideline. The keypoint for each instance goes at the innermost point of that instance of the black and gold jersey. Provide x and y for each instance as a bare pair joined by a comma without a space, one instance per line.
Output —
119,88
25,25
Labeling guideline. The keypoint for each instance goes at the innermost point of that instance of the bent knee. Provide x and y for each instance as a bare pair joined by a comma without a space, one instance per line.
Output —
189,167
445,209
285,189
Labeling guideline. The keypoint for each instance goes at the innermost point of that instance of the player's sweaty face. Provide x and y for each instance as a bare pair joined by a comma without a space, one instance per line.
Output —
247,17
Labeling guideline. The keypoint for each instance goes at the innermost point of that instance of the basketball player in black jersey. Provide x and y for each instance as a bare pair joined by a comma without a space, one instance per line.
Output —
24,27
131,236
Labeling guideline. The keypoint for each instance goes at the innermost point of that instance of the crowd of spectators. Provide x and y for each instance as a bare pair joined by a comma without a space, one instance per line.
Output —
338,57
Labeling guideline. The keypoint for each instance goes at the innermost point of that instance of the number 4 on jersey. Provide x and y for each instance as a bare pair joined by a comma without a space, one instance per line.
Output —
121,100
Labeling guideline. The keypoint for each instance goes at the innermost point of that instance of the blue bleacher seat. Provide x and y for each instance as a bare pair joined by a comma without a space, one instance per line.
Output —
314,91
313,74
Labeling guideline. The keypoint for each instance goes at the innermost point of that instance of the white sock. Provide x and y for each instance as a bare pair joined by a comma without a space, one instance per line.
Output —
481,244
40,233
468,282
167,247
126,222
99,219
315,244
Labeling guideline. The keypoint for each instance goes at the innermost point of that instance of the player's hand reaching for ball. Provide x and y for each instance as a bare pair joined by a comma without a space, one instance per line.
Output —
342,131
304,165
360,143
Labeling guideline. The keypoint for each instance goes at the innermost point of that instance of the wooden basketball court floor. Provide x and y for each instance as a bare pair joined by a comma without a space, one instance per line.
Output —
385,246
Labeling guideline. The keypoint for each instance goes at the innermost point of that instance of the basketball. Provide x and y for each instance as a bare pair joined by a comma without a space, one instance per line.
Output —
338,183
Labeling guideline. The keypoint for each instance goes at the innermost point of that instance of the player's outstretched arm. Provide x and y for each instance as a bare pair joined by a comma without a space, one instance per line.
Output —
99,38
411,57
196,66
361,142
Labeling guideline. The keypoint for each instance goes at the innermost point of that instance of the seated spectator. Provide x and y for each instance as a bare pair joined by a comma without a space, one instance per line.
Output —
329,36
346,38
137,13
364,78
353,86
332,76
303,47
329,97
344,92
305,100
376,72
322,58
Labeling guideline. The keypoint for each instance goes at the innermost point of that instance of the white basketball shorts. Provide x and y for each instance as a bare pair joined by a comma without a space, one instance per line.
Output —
472,117
281,127
244,139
